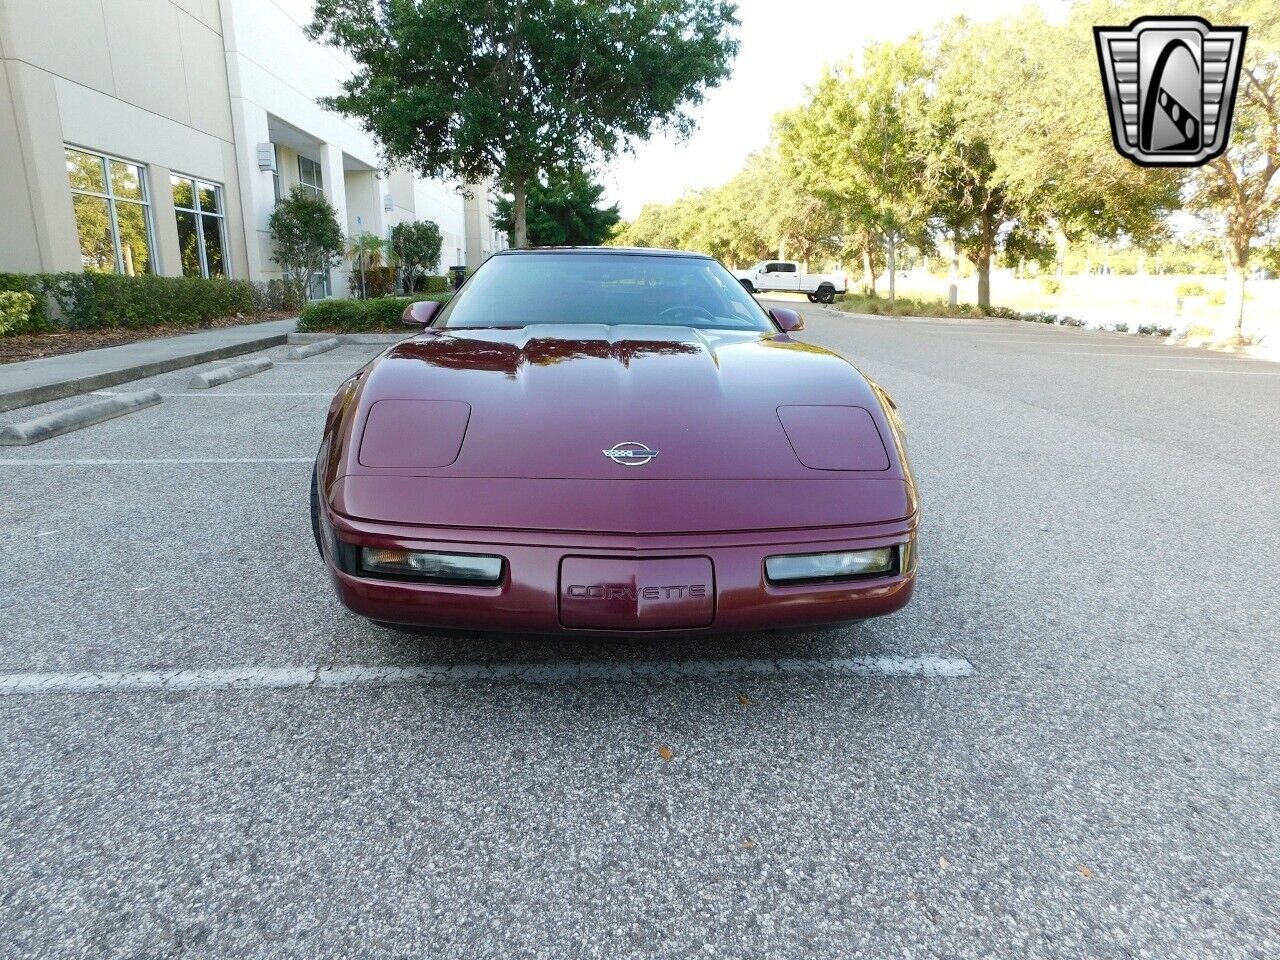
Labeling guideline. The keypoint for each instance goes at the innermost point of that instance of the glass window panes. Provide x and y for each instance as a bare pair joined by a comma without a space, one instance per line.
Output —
189,243
135,243
309,175
210,198
211,228
126,180
113,215
85,171
93,224
201,227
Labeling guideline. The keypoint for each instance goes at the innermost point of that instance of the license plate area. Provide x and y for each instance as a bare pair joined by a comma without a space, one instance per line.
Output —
612,593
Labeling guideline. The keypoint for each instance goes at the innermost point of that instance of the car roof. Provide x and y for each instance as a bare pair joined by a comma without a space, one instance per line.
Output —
614,251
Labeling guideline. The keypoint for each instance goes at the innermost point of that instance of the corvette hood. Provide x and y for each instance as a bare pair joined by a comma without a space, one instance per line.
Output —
546,402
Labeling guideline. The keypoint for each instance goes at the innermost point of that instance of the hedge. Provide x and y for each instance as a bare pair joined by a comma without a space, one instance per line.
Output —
357,316
104,301
36,318
15,311
95,301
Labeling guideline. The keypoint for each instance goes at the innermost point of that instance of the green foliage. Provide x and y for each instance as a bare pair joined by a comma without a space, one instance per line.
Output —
92,301
359,316
15,312
415,249
474,90
563,211
1191,288
432,285
273,296
1051,285
1154,330
307,238
378,282
37,317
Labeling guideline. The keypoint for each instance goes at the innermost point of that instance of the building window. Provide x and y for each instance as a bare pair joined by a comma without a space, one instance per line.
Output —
113,213
309,175
275,172
202,233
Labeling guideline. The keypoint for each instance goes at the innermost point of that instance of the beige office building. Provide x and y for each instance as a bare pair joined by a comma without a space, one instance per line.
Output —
156,135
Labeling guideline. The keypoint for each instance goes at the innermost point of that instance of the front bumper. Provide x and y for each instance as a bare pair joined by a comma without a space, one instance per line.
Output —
531,597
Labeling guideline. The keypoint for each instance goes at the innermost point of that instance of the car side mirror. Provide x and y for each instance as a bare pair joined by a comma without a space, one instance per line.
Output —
788,320
421,314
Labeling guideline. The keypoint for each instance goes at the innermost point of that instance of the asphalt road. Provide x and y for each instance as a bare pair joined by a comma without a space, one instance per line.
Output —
1100,544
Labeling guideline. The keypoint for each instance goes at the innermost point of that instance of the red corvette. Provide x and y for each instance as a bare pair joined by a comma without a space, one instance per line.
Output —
612,440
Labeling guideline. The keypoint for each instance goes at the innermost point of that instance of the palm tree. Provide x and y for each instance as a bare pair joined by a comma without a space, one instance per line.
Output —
365,252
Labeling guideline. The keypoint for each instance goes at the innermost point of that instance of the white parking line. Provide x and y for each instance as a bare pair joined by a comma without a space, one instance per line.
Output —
280,678
1243,373
222,395
103,462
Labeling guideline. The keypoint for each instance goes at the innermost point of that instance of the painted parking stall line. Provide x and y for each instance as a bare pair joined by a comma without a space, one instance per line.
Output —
144,462
321,677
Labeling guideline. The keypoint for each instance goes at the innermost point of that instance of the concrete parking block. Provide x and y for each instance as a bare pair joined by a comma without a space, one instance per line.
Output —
215,378
75,418
311,349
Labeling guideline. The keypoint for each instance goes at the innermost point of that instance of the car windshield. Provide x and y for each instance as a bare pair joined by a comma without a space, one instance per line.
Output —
517,290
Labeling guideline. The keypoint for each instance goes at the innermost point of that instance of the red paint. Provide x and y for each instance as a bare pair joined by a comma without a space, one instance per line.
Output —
531,482
834,438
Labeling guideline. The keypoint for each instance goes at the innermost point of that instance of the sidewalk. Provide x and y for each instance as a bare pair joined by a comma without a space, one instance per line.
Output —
51,378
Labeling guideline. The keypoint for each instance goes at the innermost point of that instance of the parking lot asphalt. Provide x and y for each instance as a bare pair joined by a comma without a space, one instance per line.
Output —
1100,546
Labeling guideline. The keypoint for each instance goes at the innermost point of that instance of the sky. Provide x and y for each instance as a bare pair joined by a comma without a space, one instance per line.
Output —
784,45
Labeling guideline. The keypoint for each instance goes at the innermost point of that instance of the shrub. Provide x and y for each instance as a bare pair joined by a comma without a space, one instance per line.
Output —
432,285
1191,288
15,311
1217,299
358,316
1121,328
93,301
378,282
37,318
273,296
307,238
1152,330
1051,285
1199,330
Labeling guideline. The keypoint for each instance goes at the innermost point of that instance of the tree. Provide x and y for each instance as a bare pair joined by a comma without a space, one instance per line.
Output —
1239,192
563,211
365,251
476,89
851,144
997,187
304,228
415,248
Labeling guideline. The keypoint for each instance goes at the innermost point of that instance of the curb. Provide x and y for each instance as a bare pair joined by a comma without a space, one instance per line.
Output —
70,388
75,418
311,349
367,339
221,375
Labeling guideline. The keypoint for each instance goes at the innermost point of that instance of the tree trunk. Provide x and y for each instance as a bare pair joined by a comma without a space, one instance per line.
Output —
519,209
986,251
1233,315
868,270
953,284
893,271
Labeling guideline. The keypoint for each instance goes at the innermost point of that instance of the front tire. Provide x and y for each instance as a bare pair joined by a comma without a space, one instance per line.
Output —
826,293
813,297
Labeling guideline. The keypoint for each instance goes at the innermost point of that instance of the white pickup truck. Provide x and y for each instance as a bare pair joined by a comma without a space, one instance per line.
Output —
768,276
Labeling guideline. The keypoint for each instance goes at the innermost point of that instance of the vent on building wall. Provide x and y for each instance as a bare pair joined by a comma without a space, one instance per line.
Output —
388,202
266,156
